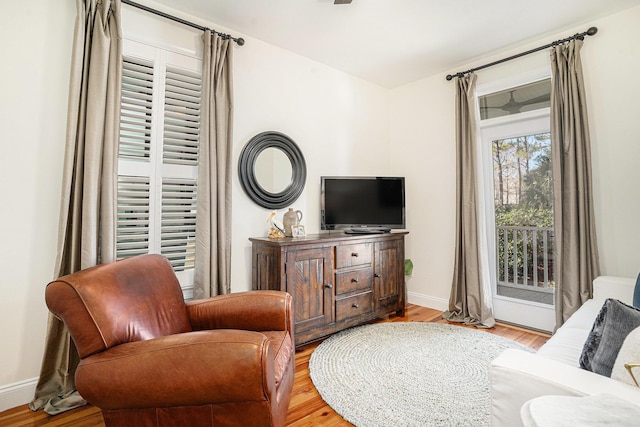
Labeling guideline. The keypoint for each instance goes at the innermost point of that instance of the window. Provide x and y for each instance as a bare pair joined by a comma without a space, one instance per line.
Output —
158,157
516,100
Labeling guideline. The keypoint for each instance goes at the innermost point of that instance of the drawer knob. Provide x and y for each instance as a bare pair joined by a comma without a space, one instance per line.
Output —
328,285
354,254
354,280
355,305
377,275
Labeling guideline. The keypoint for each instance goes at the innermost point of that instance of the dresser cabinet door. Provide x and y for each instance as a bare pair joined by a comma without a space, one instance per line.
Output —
310,281
388,274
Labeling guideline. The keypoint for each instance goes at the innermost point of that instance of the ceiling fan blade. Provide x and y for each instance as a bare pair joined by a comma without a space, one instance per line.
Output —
342,2
512,106
536,100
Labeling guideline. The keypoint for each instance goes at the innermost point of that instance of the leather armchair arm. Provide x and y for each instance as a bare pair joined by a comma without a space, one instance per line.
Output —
188,369
252,311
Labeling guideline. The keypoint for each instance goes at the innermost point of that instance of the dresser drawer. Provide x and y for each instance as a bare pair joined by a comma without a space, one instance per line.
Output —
353,306
353,280
351,255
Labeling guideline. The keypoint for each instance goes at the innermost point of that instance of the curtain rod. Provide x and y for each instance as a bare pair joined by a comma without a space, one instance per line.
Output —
590,32
239,40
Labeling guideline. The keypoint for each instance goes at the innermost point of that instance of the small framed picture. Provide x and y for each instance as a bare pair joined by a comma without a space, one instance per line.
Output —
298,231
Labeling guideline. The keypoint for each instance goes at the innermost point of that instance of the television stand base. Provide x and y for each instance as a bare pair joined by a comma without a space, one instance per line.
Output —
367,230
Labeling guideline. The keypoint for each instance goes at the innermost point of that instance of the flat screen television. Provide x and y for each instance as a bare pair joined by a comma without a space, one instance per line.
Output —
362,204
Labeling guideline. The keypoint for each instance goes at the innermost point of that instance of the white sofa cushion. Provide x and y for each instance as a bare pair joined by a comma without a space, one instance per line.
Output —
583,318
620,288
567,343
570,411
566,346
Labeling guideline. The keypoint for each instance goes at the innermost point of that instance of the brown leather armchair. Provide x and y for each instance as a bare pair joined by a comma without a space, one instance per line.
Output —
150,359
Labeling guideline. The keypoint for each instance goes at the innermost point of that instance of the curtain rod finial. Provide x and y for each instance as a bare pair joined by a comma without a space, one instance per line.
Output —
240,41
459,75
592,31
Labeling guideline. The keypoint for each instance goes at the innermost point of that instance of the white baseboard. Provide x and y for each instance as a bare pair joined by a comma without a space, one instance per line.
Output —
428,301
17,394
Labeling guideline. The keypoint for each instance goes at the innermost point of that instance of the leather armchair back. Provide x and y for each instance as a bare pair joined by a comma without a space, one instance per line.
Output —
144,289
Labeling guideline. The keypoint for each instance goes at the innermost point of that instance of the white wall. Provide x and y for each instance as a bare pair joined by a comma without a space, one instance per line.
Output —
610,60
35,49
423,125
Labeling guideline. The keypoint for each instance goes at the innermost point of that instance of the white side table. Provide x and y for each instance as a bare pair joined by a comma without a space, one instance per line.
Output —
574,411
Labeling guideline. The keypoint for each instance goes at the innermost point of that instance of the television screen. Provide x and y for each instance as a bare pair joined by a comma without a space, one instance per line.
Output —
362,204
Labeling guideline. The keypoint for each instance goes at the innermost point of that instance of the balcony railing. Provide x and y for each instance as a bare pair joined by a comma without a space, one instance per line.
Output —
525,258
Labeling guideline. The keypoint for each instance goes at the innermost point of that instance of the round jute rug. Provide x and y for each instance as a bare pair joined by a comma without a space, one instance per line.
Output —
408,374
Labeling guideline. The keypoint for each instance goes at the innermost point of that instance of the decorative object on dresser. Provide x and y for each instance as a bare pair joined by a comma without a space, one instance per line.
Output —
291,219
276,229
336,280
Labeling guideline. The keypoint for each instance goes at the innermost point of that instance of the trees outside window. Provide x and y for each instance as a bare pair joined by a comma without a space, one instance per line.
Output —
523,202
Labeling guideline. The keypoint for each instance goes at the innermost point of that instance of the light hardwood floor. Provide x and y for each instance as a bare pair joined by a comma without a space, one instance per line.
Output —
307,407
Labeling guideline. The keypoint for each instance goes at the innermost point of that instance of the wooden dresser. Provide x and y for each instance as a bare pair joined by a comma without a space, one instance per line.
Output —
336,280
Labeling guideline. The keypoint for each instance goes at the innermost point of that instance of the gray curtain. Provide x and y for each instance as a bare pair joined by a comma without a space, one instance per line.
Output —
469,301
213,214
577,262
86,234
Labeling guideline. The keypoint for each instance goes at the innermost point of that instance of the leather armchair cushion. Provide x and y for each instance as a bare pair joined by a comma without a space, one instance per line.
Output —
190,369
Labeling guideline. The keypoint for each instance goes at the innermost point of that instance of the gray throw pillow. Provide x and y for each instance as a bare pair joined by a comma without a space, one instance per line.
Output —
612,325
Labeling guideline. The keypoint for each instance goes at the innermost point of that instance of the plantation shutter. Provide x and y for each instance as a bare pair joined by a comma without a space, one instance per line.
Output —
133,216
178,228
180,154
136,108
157,165
182,117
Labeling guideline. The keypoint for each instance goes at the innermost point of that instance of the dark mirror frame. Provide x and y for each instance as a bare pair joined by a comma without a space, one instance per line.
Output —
246,170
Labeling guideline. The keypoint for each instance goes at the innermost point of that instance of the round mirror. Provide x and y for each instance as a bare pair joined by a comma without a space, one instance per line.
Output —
272,170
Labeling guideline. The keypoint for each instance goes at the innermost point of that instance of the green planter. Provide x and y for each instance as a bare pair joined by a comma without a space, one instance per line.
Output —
408,267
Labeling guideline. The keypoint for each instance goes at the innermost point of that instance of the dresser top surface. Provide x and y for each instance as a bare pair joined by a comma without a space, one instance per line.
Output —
336,236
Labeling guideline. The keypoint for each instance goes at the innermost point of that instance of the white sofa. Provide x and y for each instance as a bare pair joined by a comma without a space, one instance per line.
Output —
517,376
